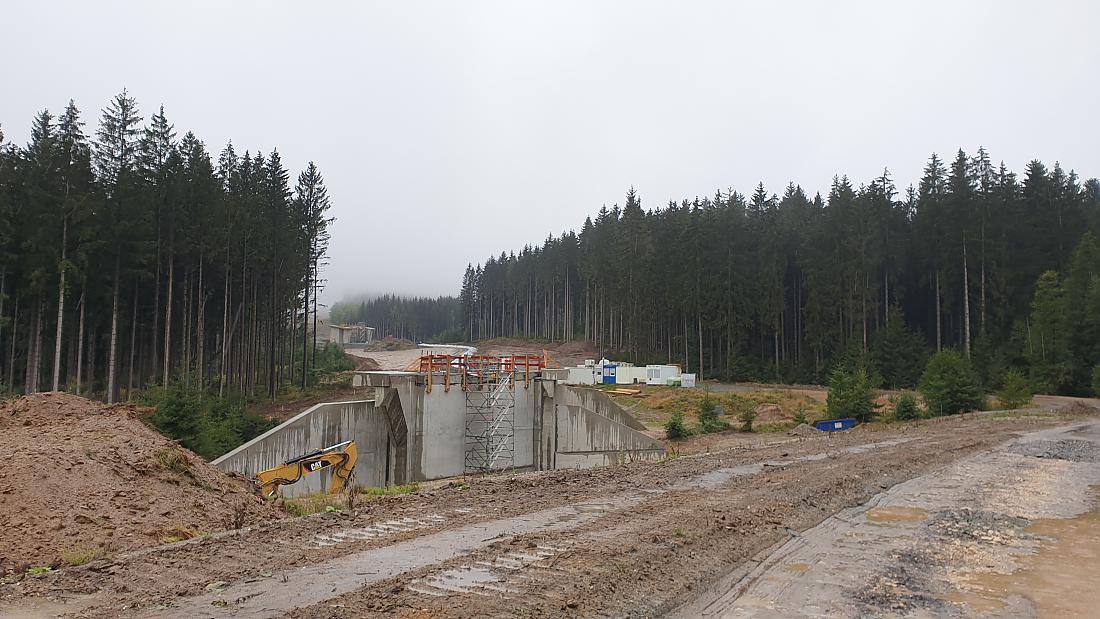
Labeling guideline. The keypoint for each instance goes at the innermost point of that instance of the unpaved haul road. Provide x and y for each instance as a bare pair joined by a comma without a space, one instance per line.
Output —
1009,532
719,533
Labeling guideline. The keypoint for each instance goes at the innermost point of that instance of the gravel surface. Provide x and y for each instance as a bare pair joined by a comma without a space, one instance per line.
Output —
1072,450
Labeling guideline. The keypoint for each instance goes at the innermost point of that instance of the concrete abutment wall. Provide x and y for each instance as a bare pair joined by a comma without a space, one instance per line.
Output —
406,434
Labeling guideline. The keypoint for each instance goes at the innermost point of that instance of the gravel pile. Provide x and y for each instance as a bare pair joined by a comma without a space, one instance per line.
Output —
804,429
1072,450
983,526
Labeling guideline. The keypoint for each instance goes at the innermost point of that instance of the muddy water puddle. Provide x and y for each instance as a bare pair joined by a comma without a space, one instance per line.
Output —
797,568
1059,579
896,514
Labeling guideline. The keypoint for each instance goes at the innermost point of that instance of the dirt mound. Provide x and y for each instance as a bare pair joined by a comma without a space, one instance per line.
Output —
1080,408
366,364
804,429
771,413
561,354
83,480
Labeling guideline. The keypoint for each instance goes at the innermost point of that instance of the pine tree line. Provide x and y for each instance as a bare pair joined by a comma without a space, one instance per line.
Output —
420,319
132,259
770,286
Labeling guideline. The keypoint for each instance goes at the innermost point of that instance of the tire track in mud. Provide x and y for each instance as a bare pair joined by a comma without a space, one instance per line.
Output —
263,598
631,564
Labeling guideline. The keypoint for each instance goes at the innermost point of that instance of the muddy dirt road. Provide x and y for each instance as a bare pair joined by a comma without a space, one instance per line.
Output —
642,539
1010,532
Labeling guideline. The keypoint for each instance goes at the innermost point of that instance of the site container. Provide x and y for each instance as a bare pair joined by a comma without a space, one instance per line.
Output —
835,425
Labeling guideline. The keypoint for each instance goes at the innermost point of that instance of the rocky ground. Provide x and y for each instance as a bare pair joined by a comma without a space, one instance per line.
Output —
640,539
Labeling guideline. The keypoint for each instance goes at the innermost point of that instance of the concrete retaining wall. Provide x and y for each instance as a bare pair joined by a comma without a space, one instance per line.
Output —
406,434
597,402
592,430
319,426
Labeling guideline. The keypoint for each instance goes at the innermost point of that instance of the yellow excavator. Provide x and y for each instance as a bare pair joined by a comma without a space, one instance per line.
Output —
341,457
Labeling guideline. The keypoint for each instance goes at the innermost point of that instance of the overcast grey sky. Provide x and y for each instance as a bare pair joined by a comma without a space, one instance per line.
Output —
449,131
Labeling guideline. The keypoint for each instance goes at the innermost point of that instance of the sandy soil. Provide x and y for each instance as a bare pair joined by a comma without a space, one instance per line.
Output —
83,480
400,360
402,357
561,354
638,539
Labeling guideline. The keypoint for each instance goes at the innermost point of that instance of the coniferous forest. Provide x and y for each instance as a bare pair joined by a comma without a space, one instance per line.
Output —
130,257
1003,268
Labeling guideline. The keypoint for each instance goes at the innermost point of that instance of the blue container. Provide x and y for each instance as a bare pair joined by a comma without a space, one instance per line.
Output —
609,374
835,425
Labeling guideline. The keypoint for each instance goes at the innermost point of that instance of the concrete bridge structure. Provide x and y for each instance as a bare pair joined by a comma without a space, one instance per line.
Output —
421,426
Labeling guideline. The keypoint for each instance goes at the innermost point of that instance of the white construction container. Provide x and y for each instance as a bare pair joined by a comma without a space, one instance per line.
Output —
687,380
630,375
583,376
660,374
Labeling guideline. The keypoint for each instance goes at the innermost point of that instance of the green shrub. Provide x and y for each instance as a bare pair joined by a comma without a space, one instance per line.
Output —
907,408
331,360
674,427
710,418
746,417
949,384
1015,391
81,556
1096,380
850,395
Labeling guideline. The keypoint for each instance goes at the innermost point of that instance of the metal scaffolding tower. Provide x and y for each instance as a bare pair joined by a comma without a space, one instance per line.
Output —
490,415
489,382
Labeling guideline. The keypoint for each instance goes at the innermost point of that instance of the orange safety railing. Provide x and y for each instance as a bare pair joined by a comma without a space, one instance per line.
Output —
471,371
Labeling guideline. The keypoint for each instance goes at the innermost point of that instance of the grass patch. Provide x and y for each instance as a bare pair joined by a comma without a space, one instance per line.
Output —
315,503
174,460
81,556
39,569
655,406
179,534
779,426
390,490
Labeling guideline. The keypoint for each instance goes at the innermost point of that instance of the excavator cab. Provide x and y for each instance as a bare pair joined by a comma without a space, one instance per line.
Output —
341,457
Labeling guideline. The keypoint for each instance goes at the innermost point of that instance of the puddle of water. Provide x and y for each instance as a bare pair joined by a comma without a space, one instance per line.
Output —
896,514
974,602
39,608
1059,578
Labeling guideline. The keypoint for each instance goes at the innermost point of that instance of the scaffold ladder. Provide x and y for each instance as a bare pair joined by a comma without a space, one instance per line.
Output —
490,419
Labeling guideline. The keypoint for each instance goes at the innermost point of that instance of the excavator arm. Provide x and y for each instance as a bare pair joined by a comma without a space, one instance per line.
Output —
340,457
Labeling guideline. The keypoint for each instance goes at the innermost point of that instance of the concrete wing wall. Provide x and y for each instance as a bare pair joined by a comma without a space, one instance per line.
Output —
598,402
591,430
319,426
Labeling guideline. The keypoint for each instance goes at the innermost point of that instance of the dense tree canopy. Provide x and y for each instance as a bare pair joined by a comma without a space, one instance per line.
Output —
133,258
771,287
